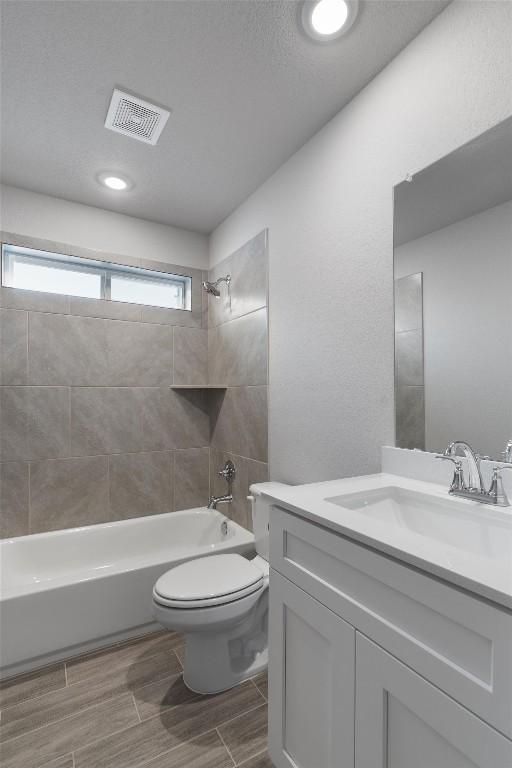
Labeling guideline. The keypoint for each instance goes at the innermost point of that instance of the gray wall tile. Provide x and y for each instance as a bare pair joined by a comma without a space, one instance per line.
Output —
220,308
174,419
189,418
164,316
65,493
204,302
34,422
113,310
248,269
83,351
237,351
105,420
13,423
409,358
409,302
14,514
191,478
239,421
410,417
140,484
48,422
13,346
67,350
155,407
190,355
138,354
36,301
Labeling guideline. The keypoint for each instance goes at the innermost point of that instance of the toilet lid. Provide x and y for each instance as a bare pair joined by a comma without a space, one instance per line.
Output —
208,581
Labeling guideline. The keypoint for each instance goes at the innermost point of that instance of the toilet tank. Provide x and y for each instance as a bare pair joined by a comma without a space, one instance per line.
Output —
261,515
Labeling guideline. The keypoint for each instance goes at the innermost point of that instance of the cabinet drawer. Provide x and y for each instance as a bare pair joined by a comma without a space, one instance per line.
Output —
460,643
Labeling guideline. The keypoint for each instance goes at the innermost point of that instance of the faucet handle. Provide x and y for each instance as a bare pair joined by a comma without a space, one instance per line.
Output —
458,483
496,490
228,471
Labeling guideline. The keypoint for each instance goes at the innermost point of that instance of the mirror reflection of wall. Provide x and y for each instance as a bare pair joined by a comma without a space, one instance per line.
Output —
453,254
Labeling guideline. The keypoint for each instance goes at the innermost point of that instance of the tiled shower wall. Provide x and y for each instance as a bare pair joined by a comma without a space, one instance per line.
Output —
91,429
237,358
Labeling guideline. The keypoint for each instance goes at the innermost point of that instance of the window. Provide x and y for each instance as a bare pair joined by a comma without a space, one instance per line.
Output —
74,276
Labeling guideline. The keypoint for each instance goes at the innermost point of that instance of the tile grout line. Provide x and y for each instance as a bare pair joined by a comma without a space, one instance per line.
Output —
225,745
242,714
258,689
179,660
258,754
136,707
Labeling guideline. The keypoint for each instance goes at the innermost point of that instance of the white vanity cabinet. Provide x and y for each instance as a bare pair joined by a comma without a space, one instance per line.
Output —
374,664
312,677
403,721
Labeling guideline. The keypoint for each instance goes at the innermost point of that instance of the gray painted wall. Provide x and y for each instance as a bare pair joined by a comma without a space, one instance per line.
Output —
52,218
330,220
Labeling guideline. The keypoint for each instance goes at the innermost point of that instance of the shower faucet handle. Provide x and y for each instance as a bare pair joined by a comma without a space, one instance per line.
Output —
228,472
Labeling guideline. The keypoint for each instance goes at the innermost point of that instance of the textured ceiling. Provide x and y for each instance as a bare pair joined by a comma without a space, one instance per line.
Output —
245,86
468,181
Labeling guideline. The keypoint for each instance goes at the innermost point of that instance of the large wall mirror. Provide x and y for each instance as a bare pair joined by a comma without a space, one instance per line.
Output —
453,299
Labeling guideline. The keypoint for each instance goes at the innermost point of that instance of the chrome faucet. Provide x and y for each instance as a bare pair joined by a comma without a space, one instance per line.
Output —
228,472
475,488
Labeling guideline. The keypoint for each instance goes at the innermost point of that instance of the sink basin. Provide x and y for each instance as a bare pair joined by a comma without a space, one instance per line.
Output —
467,526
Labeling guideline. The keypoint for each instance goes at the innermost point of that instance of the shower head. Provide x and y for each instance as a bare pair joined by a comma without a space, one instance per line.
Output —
212,288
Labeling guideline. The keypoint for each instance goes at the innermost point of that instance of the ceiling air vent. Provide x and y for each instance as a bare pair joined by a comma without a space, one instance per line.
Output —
135,117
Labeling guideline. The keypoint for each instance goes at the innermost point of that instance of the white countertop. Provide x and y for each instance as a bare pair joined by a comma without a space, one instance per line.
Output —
486,576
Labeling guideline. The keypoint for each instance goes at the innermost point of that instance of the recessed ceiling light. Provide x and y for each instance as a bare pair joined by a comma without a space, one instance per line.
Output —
117,183
328,19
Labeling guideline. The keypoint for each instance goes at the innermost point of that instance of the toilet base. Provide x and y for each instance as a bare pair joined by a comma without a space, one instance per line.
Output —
217,661
200,680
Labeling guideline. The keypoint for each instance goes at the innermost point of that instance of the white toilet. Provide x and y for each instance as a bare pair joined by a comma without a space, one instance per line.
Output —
220,603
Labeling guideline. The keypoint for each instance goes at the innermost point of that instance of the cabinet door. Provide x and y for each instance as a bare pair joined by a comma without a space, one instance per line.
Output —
311,681
402,721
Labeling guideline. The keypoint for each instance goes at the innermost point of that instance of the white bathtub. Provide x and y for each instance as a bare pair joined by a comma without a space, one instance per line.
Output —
65,592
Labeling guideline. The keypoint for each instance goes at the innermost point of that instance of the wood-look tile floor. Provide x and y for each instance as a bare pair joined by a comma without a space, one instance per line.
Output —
127,706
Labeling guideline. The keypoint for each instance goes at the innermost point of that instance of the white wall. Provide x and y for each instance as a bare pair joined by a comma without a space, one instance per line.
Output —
467,286
330,218
50,218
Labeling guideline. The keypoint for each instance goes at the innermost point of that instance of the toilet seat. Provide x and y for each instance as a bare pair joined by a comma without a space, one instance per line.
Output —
207,582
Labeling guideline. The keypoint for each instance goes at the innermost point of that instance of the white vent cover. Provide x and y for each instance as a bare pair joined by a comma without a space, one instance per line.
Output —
135,117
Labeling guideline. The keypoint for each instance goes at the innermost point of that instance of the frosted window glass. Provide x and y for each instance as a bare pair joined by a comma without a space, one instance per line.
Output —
164,294
39,277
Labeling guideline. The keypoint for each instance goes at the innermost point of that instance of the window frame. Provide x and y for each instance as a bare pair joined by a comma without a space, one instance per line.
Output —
105,269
